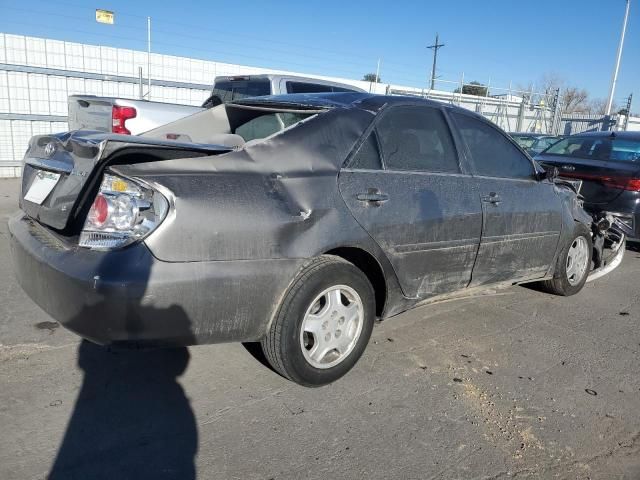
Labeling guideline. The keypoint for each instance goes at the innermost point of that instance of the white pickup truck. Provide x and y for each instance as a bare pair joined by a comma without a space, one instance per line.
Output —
131,117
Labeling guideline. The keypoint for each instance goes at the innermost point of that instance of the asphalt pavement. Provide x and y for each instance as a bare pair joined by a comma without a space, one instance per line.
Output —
513,383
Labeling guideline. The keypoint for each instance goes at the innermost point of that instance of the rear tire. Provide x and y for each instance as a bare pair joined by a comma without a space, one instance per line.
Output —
323,323
573,264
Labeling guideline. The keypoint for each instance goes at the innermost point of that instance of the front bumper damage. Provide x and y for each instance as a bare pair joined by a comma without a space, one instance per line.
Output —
128,295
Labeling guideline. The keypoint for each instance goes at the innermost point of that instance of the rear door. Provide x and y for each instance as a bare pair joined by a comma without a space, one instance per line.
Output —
603,163
522,217
405,186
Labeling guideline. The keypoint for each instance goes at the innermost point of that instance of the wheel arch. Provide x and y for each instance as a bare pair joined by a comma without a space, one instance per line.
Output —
369,265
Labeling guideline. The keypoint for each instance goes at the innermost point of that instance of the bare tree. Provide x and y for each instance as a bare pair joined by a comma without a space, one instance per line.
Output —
575,100
598,106
543,90
547,87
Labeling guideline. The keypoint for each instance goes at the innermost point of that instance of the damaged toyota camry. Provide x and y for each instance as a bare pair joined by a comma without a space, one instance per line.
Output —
294,221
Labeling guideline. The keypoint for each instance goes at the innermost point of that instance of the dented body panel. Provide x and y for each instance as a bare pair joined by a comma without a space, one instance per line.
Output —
243,220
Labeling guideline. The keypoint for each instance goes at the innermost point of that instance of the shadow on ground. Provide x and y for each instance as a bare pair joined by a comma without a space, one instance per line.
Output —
131,419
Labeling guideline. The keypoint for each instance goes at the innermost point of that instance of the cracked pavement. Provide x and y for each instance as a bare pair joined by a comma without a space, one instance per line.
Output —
513,383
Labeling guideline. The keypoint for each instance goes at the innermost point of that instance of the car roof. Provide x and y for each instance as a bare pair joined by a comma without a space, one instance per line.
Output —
622,135
365,101
280,76
531,135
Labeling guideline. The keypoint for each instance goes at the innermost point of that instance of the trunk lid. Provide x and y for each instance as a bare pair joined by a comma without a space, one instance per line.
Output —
602,180
61,172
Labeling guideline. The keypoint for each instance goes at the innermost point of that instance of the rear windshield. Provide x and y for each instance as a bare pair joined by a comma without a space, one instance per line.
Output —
305,87
268,124
228,90
598,148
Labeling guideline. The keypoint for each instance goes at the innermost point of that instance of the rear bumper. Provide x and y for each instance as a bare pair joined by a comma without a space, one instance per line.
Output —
128,295
626,207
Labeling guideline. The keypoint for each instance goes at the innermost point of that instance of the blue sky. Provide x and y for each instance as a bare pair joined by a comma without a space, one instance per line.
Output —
492,40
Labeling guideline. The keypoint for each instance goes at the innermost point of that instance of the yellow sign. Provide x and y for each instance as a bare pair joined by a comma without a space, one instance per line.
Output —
104,16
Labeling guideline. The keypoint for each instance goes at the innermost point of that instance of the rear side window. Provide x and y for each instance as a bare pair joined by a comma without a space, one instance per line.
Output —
302,87
228,90
417,138
493,155
368,156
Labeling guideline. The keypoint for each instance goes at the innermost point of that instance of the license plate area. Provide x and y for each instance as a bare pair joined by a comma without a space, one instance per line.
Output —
42,185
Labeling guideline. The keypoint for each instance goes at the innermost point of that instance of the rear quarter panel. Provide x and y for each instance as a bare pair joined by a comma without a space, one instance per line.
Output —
275,199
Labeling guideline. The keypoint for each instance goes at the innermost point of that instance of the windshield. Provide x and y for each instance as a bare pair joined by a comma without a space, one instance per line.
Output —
598,148
524,141
541,143
228,90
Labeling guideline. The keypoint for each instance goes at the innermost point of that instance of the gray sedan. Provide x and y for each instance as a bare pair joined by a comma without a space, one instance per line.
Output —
293,221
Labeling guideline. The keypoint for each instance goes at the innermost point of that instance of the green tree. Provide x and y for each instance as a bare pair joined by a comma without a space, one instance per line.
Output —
473,88
371,77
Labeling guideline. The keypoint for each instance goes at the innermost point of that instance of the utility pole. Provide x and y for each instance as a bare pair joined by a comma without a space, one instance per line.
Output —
618,57
149,58
435,48
628,112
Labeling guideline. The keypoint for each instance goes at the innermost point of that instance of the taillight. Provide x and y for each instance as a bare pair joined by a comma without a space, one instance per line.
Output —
123,211
624,183
119,116
99,210
631,184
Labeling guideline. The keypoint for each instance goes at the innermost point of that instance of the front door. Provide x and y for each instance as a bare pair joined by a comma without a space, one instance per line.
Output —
522,216
415,202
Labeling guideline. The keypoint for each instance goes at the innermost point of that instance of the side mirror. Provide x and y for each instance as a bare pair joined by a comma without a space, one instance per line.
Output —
549,173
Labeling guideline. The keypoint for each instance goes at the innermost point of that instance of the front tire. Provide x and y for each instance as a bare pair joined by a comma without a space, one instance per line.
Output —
573,264
323,323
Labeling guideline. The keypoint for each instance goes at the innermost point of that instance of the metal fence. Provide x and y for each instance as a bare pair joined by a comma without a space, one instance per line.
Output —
579,123
37,75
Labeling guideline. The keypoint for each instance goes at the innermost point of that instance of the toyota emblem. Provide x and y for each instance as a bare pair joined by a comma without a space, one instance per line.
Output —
49,149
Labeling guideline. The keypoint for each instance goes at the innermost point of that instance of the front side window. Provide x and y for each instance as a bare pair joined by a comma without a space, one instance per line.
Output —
417,139
597,148
492,154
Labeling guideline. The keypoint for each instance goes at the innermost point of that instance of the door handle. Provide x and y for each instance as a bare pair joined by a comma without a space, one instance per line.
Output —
373,196
568,168
492,198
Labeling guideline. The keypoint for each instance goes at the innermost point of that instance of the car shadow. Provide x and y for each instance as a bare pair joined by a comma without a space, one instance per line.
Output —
131,418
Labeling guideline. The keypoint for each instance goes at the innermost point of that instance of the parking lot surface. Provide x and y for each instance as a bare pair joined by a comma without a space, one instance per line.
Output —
513,383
